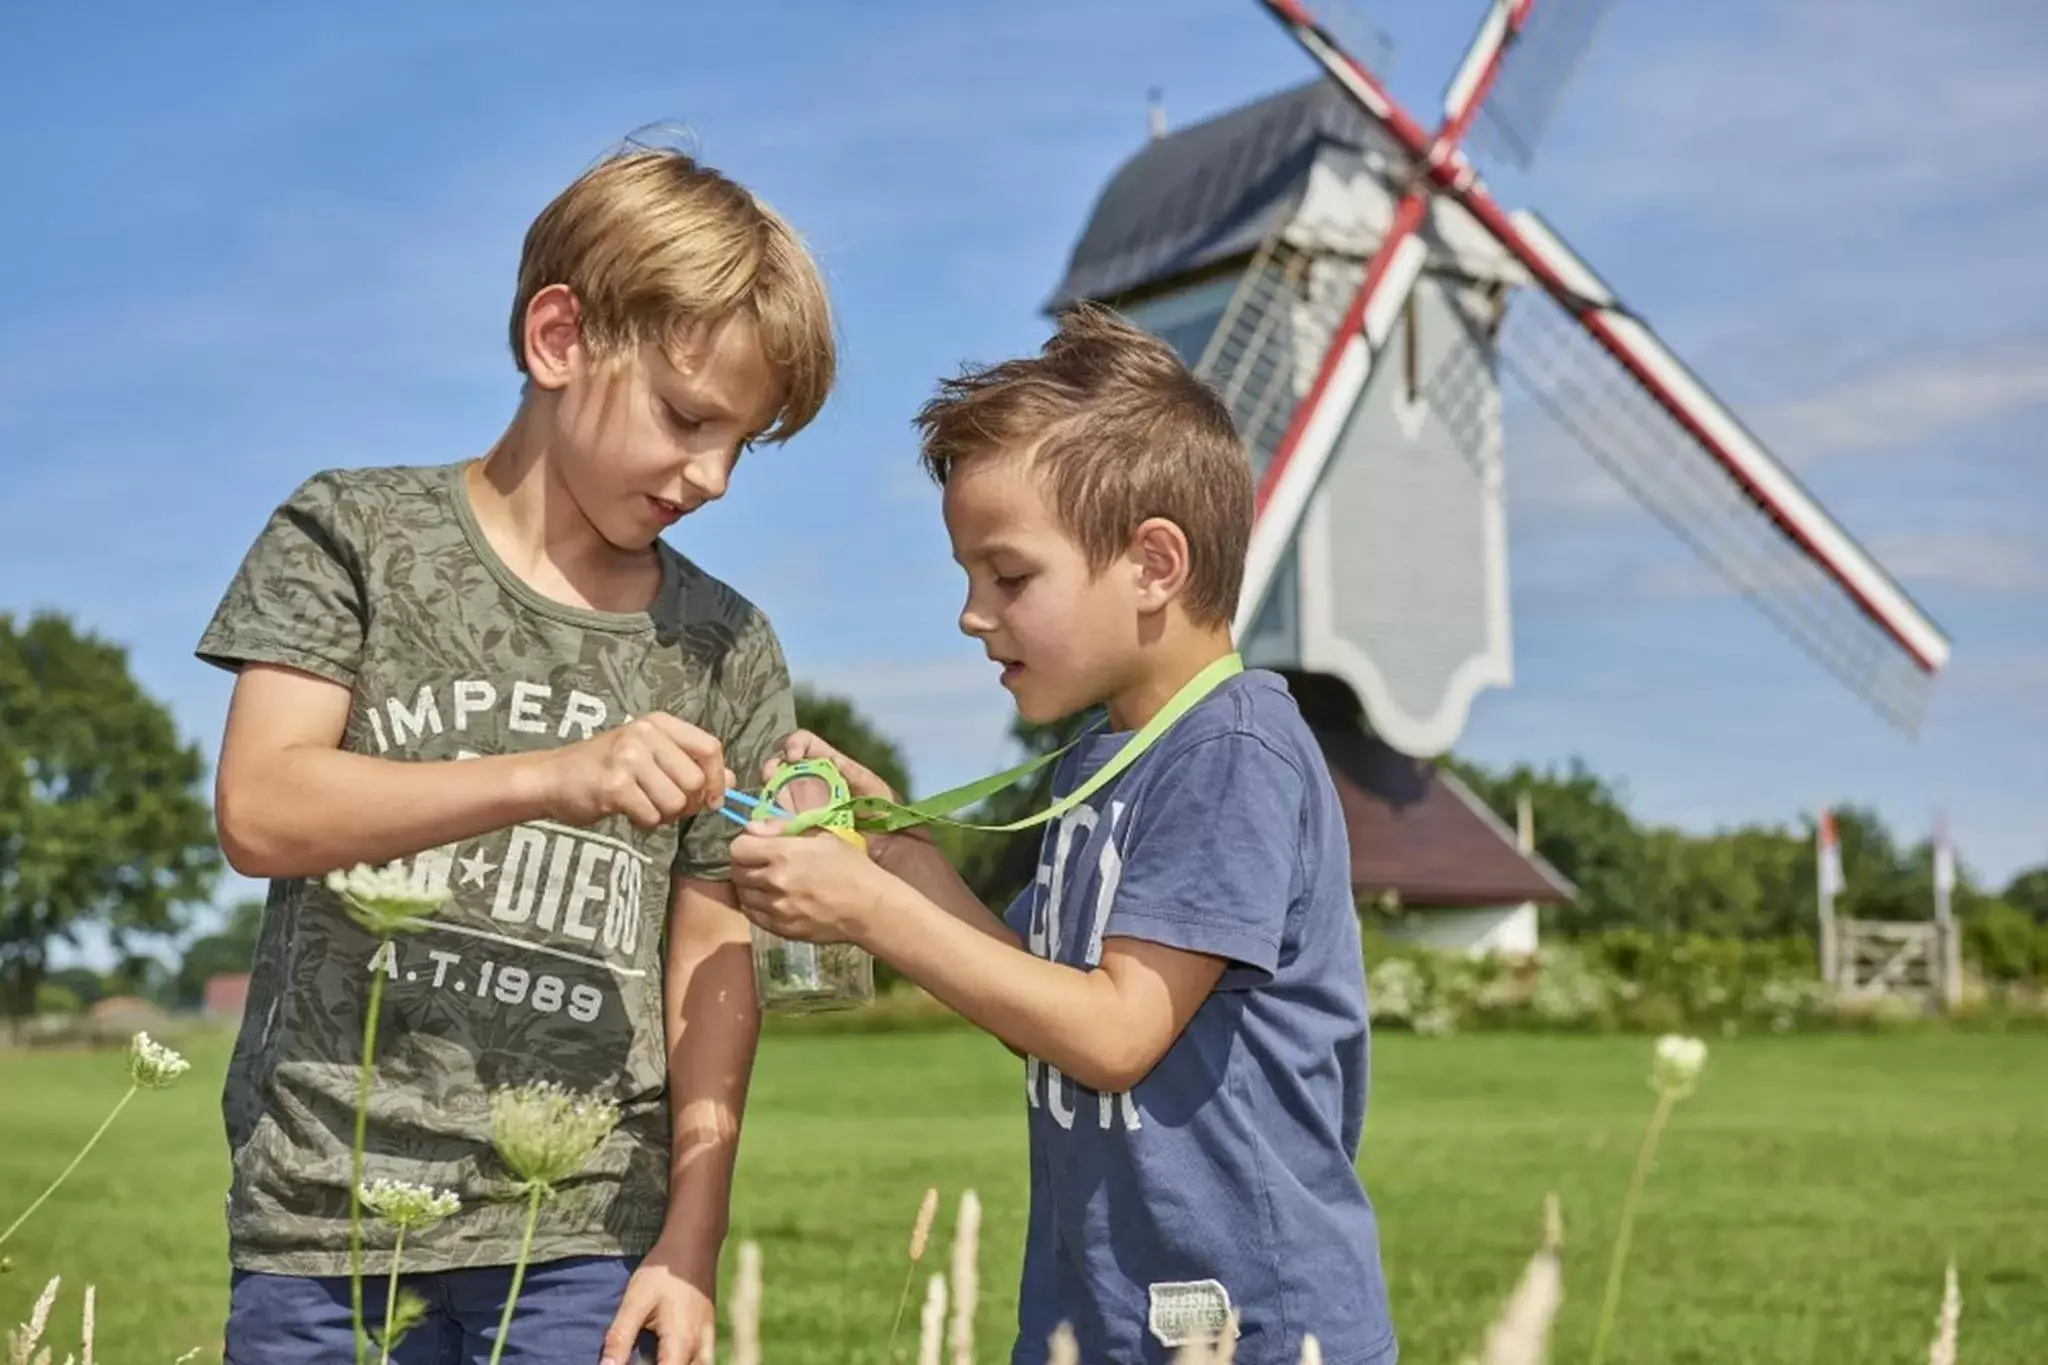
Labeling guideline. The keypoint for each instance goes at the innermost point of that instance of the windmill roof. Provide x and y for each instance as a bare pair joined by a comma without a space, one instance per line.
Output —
1207,192
1303,159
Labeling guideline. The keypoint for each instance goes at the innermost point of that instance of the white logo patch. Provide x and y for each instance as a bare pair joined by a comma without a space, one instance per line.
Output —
1187,1311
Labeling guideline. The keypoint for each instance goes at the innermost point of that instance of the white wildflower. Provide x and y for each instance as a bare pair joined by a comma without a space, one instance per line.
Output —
1676,1069
1311,1350
405,1205
153,1066
385,900
545,1133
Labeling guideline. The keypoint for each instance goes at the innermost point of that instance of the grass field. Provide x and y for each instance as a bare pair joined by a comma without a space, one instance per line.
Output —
1802,1209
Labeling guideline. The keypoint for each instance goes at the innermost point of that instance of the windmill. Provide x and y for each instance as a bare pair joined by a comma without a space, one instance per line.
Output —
1346,280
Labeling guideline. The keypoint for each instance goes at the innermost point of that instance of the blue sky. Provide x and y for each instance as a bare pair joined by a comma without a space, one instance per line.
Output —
245,242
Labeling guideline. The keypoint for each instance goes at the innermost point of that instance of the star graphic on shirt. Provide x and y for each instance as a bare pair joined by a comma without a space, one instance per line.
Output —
476,867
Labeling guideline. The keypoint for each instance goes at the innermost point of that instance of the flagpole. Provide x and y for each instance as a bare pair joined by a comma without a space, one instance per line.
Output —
1827,875
1944,915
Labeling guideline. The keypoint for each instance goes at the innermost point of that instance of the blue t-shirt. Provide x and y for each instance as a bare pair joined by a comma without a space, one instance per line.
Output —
1226,1178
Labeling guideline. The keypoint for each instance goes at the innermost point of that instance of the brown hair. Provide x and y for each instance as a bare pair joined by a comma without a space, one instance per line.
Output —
656,247
1119,431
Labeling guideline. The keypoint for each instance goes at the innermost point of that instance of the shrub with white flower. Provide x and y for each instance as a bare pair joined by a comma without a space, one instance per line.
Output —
151,1065
404,1206
1397,989
544,1134
385,900
1675,1069
1675,1065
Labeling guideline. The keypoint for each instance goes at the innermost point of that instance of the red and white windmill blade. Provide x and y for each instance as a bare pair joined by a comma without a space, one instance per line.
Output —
1611,382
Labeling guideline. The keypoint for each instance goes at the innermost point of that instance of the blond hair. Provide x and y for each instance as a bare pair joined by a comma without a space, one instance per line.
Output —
1118,431
657,247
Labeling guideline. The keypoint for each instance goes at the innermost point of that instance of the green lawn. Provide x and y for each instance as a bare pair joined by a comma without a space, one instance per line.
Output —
1803,1205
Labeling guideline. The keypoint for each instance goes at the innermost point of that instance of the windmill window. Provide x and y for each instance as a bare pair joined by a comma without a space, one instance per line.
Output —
1411,352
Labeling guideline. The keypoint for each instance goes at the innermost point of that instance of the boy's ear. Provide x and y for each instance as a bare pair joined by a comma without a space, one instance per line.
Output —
554,332
1159,551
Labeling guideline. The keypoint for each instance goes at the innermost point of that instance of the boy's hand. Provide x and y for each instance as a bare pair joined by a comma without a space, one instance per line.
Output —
653,770
807,792
802,744
663,1298
814,887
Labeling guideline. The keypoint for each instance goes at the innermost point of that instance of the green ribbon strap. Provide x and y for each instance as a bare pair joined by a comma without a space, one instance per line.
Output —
883,815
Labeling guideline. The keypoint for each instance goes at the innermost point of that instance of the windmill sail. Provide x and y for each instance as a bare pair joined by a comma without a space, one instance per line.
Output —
1621,391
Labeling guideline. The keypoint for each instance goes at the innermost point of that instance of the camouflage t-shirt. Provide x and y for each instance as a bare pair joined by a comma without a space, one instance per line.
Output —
546,962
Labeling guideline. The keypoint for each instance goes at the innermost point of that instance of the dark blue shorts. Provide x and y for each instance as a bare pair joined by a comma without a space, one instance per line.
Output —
564,1309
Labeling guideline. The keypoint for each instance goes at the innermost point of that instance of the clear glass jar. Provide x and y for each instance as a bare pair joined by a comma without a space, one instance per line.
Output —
809,978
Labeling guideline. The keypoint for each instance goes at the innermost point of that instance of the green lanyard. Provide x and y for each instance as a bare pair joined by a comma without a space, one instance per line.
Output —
882,815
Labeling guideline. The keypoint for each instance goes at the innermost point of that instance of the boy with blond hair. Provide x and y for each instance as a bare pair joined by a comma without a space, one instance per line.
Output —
497,675
1184,976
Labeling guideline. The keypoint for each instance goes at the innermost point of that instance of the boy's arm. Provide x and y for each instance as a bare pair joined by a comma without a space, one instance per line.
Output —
712,1024
912,857
1106,1027
290,802
1208,870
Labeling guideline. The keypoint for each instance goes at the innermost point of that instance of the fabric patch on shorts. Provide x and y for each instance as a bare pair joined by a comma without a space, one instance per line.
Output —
1184,1311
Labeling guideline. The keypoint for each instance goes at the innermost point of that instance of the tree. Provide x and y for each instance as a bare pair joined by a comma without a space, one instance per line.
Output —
2028,892
1583,830
102,819
998,866
836,721
230,950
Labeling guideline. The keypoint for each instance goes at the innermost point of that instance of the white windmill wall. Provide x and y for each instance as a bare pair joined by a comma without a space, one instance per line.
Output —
1403,552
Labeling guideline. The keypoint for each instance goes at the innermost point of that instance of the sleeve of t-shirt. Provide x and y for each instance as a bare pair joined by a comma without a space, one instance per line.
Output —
1212,862
298,597
761,712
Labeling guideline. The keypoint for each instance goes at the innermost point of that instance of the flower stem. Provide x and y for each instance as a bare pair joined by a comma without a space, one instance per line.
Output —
1612,1299
355,1173
518,1270
65,1174
902,1301
391,1294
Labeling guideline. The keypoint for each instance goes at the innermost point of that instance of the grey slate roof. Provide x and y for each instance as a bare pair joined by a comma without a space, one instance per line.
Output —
1207,192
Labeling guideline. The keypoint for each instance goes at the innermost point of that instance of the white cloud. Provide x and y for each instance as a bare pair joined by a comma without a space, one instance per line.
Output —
1912,400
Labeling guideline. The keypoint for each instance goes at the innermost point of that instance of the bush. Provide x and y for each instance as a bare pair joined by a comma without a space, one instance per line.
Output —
52,998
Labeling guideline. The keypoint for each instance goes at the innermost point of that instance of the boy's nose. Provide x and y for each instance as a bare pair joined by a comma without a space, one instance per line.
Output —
708,475
973,622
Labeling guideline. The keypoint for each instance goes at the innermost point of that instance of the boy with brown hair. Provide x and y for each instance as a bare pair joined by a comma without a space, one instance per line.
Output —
495,674
1184,976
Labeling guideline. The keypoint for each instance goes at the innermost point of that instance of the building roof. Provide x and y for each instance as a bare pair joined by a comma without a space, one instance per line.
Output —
1207,192
1414,828
1418,831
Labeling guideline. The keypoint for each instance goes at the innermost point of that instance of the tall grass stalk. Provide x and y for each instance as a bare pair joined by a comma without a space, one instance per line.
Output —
1942,1351
920,1237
